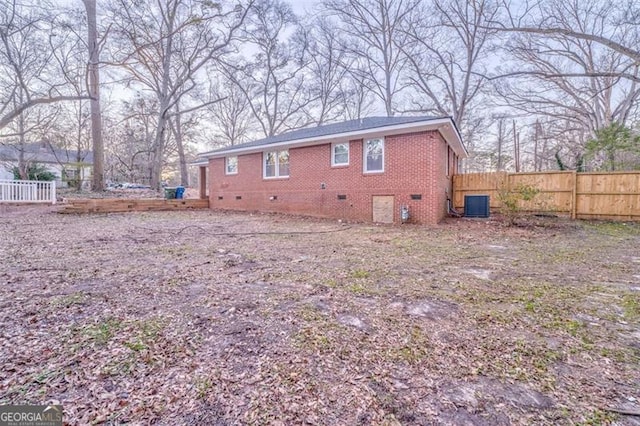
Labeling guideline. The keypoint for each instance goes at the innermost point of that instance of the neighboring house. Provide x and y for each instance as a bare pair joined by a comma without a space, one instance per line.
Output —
364,170
69,166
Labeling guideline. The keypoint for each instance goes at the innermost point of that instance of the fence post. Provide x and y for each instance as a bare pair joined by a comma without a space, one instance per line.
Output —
53,191
574,195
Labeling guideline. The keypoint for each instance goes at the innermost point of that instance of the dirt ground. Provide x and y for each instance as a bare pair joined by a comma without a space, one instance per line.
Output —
235,318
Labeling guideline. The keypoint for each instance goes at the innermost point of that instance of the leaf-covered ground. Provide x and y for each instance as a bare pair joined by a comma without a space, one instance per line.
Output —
232,318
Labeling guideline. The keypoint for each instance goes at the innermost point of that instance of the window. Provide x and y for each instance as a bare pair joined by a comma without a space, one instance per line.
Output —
232,165
276,164
69,174
373,155
340,154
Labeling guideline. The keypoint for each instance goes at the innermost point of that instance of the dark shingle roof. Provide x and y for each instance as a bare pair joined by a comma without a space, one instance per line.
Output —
42,152
330,129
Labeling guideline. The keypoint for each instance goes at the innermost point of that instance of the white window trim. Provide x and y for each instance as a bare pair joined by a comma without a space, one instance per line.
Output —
264,164
333,154
226,165
364,156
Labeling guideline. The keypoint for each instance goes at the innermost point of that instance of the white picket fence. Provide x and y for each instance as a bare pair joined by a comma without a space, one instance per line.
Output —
27,191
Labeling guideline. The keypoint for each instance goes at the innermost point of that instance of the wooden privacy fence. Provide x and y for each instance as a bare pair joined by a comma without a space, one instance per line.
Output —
614,195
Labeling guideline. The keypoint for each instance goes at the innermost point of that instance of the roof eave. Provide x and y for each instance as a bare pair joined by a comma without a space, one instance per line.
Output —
445,126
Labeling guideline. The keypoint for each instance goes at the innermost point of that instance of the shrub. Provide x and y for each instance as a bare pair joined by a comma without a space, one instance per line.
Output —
35,171
512,200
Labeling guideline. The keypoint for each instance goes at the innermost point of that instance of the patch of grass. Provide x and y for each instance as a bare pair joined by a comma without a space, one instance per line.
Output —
103,331
140,337
530,306
119,366
571,326
360,273
534,362
78,298
331,283
136,346
525,360
46,375
631,306
310,313
493,316
614,229
146,333
361,282
566,255
599,417
357,288
414,348
621,355
313,338
150,329
37,383
202,385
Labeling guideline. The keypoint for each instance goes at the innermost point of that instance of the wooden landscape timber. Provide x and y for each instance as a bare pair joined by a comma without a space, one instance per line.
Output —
122,205
608,195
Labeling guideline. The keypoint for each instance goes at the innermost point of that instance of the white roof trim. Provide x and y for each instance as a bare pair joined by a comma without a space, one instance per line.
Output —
445,126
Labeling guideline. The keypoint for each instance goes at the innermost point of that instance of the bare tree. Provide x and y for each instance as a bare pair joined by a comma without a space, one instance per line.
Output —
328,68
500,143
32,50
356,96
71,129
34,67
165,45
568,78
130,140
619,30
182,126
373,33
232,114
516,147
448,53
93,88
273,79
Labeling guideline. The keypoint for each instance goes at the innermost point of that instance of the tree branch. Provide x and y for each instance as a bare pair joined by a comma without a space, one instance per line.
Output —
7,118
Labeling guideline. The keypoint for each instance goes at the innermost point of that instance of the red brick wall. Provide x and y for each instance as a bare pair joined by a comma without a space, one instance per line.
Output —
414,164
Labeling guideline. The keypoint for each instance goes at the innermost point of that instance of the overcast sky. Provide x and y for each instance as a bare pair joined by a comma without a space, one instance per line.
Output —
300,6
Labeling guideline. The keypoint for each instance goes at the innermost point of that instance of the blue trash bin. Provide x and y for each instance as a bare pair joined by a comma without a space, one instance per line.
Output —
180,192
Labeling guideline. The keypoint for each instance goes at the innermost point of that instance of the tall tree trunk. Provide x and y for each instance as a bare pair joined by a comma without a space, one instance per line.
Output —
23,166
94,92
182,159
536,162
79,157
184,170
516,147
157,154
165,99
501,132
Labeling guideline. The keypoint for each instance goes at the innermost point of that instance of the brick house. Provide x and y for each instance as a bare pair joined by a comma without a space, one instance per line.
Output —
363,170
